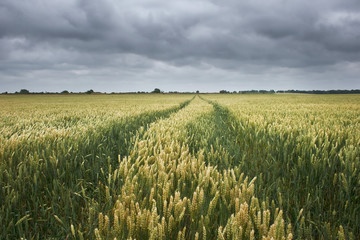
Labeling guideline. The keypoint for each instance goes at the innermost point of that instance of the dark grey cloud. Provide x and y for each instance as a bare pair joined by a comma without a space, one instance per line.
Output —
182,44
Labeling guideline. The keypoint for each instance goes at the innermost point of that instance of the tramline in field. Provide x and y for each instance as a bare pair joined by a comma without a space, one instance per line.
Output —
179,166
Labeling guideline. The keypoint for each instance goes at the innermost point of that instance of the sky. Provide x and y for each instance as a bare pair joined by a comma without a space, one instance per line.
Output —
179,45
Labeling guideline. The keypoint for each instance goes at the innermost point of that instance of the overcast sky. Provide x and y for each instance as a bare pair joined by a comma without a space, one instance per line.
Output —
179,45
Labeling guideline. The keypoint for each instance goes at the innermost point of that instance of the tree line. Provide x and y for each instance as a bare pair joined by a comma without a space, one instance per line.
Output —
157,90
353,91
322,91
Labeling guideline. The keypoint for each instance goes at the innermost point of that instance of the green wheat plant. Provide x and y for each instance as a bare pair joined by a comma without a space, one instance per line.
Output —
180,166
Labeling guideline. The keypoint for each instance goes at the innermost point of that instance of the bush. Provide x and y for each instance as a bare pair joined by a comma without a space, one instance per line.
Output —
24,91
156,90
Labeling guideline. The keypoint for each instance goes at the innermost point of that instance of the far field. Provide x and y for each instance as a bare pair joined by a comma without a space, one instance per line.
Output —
180,166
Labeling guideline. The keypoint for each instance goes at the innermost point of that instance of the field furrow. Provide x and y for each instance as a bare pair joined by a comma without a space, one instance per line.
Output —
163,191
216,134
56,174
305,157
161,166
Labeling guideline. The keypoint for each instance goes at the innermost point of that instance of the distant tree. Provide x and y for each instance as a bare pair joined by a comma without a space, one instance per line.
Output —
65,92
156,90
223,91
90,91
197,91
24,91
5,93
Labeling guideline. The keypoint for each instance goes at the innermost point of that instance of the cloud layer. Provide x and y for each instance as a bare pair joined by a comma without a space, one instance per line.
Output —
181,45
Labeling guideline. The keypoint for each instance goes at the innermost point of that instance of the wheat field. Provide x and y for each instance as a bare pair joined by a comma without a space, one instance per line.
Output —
180,166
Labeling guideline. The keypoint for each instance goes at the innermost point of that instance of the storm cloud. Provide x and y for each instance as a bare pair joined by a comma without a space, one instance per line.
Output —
180,45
